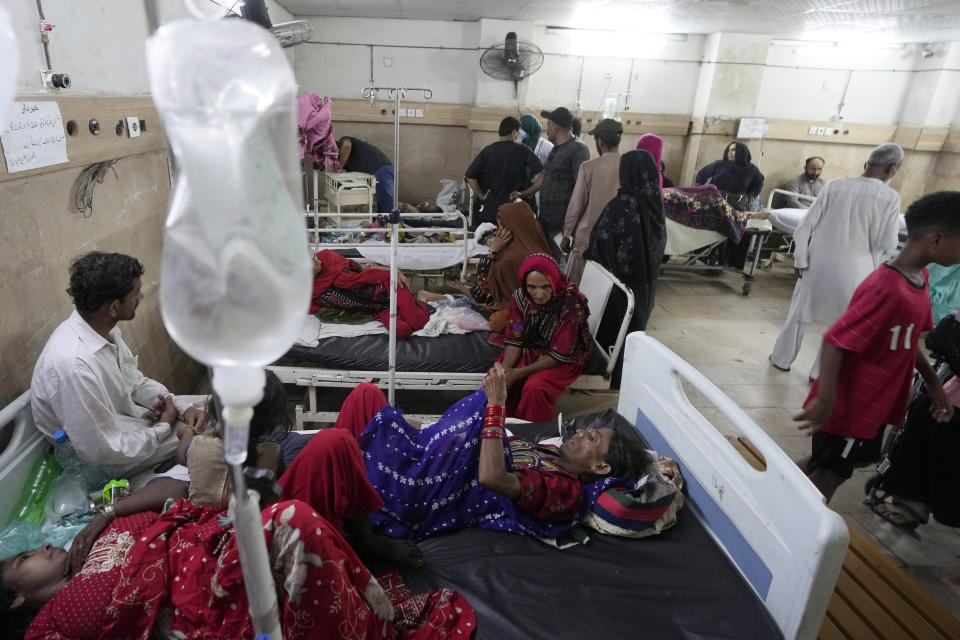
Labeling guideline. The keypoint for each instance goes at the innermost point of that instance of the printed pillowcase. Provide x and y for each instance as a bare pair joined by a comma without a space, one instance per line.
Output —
645,509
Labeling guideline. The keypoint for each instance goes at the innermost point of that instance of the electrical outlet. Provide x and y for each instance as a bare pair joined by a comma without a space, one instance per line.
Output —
812,131
402,112
821,131
419,113
133,126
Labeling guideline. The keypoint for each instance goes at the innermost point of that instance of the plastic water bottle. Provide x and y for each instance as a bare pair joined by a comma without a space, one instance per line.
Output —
33,496
90,476
67,498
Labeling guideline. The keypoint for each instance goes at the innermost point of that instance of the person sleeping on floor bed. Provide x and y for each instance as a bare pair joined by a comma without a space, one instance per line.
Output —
464,471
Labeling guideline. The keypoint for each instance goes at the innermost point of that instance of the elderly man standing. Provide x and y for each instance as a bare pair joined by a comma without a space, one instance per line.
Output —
559,174
838,244
808,183
597,184
86,380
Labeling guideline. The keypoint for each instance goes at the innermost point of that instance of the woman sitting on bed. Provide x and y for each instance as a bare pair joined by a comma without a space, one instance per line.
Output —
463,471
547,339
517,237
340,283
738,179
135,574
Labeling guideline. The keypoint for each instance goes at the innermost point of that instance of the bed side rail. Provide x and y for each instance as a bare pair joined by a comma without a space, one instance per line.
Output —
772,523
802,197
26,444
314,235
597,284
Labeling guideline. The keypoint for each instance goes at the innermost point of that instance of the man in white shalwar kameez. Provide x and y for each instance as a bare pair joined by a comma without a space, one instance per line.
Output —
839,242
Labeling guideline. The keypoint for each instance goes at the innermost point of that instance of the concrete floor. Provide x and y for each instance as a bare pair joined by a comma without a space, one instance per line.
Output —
728,337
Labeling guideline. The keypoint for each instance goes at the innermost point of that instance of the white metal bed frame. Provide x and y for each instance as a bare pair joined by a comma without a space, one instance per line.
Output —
597,284
786,249
314,235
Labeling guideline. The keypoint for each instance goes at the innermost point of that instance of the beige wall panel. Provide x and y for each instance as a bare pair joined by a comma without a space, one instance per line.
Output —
40,234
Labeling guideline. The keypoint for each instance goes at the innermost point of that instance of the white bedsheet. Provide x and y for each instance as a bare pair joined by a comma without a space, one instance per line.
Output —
421,256
787,220
682,239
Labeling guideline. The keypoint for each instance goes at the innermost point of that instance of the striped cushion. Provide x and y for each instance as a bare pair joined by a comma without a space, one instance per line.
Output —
647,508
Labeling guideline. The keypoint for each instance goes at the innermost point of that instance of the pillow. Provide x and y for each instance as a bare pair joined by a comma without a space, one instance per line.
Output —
644,509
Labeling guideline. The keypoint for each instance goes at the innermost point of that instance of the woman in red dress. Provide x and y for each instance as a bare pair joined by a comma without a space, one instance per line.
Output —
547,339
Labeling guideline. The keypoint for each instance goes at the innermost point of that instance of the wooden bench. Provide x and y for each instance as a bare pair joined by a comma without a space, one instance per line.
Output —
874,599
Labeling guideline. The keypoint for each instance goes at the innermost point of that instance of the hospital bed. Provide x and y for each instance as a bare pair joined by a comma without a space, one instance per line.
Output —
447,362
755,553
786,220
697,249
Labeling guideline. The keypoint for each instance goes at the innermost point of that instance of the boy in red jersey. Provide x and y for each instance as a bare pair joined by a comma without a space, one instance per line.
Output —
869,354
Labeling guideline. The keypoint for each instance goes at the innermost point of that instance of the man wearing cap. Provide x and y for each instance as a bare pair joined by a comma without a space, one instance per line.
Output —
560,172
597,183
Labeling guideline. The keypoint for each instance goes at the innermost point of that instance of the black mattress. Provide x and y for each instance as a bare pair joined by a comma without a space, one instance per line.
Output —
466,353
677,585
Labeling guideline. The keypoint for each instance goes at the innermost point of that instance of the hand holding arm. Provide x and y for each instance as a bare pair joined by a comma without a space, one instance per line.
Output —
493,472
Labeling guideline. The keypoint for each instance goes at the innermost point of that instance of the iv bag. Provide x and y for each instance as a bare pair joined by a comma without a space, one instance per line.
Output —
236,276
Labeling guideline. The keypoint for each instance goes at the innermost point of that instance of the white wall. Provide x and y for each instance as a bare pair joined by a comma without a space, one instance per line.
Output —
100,43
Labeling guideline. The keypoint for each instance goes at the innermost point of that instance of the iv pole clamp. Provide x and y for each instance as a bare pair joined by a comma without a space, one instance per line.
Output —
397,94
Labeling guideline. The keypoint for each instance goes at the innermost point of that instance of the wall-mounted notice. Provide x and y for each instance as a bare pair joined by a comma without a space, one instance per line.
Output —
752,128
35,137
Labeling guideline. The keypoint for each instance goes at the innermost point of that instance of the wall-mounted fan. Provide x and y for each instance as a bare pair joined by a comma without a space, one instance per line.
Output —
512,59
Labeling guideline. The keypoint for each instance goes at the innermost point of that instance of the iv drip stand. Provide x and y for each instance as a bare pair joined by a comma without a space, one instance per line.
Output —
396,94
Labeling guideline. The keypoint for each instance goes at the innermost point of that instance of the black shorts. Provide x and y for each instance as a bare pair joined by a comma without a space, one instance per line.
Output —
842,455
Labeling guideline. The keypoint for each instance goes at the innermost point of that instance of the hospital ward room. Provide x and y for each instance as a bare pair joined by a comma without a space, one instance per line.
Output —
437,319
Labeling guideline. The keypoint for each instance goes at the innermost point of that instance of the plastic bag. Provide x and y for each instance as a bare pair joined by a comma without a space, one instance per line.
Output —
467,319
18,537
449,197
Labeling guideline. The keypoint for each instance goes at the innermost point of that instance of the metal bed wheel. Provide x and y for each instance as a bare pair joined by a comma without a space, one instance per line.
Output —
747,286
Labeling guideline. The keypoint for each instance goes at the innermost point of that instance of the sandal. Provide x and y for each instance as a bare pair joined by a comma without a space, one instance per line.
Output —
899,515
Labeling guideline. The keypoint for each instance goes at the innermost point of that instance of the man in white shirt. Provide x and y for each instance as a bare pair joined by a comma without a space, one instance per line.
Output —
86,380
838,243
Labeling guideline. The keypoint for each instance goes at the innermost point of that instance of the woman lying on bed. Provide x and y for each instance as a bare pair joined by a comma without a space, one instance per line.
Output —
517,237
462,471
339,283
136,573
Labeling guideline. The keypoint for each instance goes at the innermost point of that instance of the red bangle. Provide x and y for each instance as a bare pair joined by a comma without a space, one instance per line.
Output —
492,434
495,410
494,421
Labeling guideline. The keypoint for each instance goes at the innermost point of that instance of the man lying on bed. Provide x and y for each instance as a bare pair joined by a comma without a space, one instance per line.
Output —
339,283
463,471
